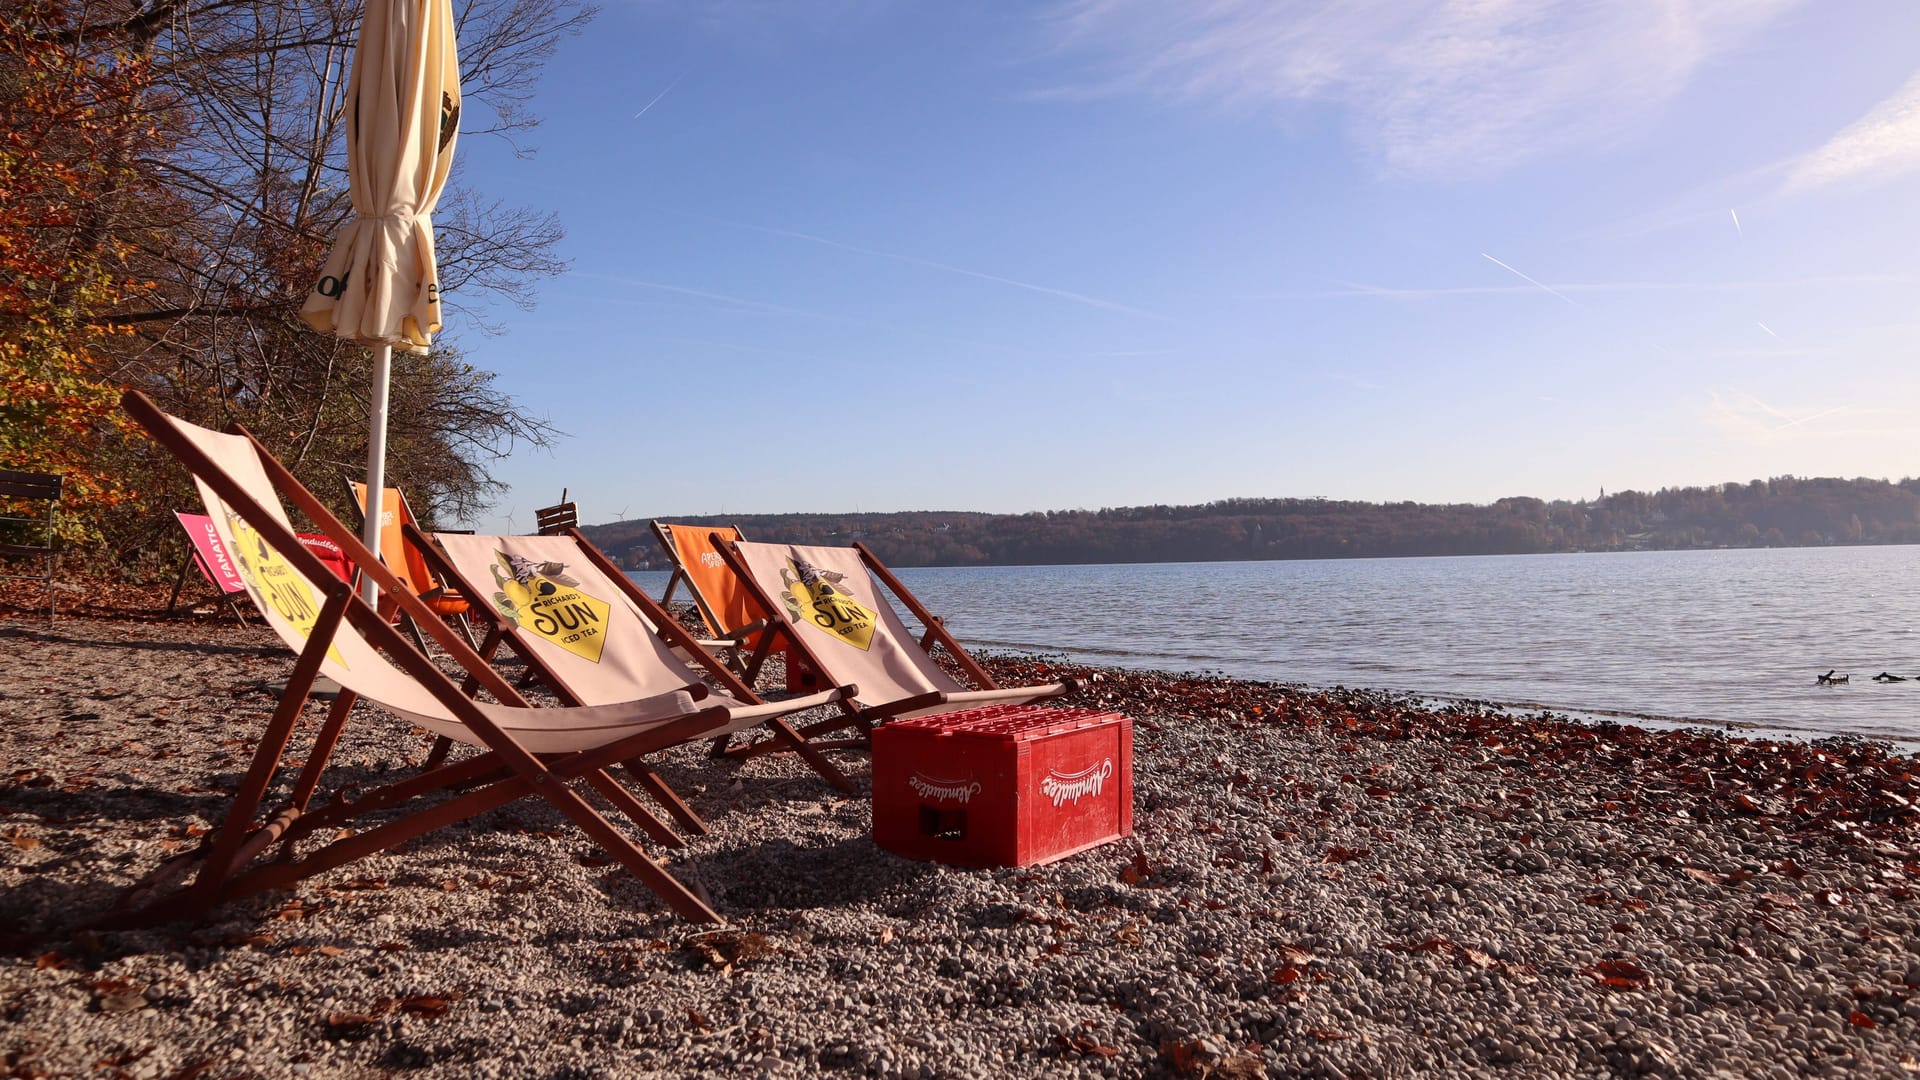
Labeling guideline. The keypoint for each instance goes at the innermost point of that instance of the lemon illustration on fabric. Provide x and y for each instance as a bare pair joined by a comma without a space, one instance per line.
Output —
540,598
812,596
275,584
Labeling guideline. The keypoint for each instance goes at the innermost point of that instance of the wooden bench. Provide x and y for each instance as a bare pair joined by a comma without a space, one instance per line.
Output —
25,533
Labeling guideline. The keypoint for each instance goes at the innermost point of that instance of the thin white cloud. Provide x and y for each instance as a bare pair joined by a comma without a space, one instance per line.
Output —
1443,89
682,290
1883,143
1078,298
1360,289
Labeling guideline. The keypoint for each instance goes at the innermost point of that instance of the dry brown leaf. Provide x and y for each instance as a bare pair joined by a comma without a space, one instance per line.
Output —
1619,974
429,1006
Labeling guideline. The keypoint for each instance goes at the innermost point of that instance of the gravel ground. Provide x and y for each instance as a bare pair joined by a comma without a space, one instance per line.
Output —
1321,884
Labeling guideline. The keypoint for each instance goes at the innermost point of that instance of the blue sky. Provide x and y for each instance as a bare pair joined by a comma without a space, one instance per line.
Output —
875,256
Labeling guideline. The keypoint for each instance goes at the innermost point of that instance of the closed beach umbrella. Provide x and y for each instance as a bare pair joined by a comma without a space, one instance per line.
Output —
379,287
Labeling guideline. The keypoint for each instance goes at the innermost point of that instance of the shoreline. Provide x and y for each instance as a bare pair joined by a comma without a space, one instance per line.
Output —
1909,746
1335,882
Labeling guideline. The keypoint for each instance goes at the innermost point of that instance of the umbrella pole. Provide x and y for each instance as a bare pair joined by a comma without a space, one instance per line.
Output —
376,464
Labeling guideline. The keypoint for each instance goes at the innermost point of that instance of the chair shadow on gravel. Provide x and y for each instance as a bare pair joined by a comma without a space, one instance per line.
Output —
208,648
781,874
58,809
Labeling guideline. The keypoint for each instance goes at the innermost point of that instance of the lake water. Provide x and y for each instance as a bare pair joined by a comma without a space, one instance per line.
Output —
1728,636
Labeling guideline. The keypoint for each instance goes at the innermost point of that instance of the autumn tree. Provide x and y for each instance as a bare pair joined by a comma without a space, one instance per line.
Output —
249,192
71,123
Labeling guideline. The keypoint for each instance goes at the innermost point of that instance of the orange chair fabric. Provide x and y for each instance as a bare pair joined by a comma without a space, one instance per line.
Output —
406,563
709,575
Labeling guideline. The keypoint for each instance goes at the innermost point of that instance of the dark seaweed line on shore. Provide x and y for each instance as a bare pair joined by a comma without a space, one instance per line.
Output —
1860,791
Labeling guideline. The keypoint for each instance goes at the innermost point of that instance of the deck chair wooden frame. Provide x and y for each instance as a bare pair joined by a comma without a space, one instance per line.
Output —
411,545
870,707
505,770
733,644
655,620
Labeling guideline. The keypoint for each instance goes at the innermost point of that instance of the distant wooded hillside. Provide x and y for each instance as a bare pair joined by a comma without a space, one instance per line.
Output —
1783,512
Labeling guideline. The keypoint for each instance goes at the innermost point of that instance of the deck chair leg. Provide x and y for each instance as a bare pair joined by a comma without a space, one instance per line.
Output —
394,833
437,756
323,744
785,735
665,796
179,582
273,743
633,808
413,631
650,873
761,650
488,647
718,748
806,734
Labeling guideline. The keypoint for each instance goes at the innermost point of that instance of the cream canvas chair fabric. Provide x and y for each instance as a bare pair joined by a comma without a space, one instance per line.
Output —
830,606
529,753
595,637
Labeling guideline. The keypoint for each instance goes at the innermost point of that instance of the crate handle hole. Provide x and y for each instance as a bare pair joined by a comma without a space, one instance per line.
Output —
943,824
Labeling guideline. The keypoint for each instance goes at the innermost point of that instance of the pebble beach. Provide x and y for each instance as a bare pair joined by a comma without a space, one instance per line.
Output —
1335,883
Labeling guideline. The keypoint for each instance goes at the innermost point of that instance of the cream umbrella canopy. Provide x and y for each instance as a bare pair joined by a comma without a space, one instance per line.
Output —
379,286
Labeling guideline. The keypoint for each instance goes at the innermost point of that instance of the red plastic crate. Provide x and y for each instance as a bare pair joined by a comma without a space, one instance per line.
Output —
1006,785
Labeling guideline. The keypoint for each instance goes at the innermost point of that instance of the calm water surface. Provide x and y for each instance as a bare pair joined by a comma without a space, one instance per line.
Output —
1731,636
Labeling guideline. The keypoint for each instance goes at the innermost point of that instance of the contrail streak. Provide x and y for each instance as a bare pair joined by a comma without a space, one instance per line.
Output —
1528,280
1736,223
1807,419
1078,298
657,97
1769,330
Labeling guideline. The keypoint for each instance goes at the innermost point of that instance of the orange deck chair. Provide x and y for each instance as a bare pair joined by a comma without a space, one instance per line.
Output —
544,754
732,614
829,611
594,636
401,544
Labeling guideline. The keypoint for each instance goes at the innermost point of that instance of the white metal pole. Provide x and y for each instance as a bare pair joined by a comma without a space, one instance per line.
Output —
376,464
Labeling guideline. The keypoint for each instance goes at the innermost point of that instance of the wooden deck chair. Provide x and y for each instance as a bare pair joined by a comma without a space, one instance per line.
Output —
829,609
401,549
595,637
204,551
728,608
527,752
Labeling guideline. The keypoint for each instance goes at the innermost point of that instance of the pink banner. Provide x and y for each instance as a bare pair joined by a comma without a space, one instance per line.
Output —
214,564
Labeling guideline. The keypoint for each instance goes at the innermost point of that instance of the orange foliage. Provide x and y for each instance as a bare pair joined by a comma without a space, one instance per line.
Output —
69,121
